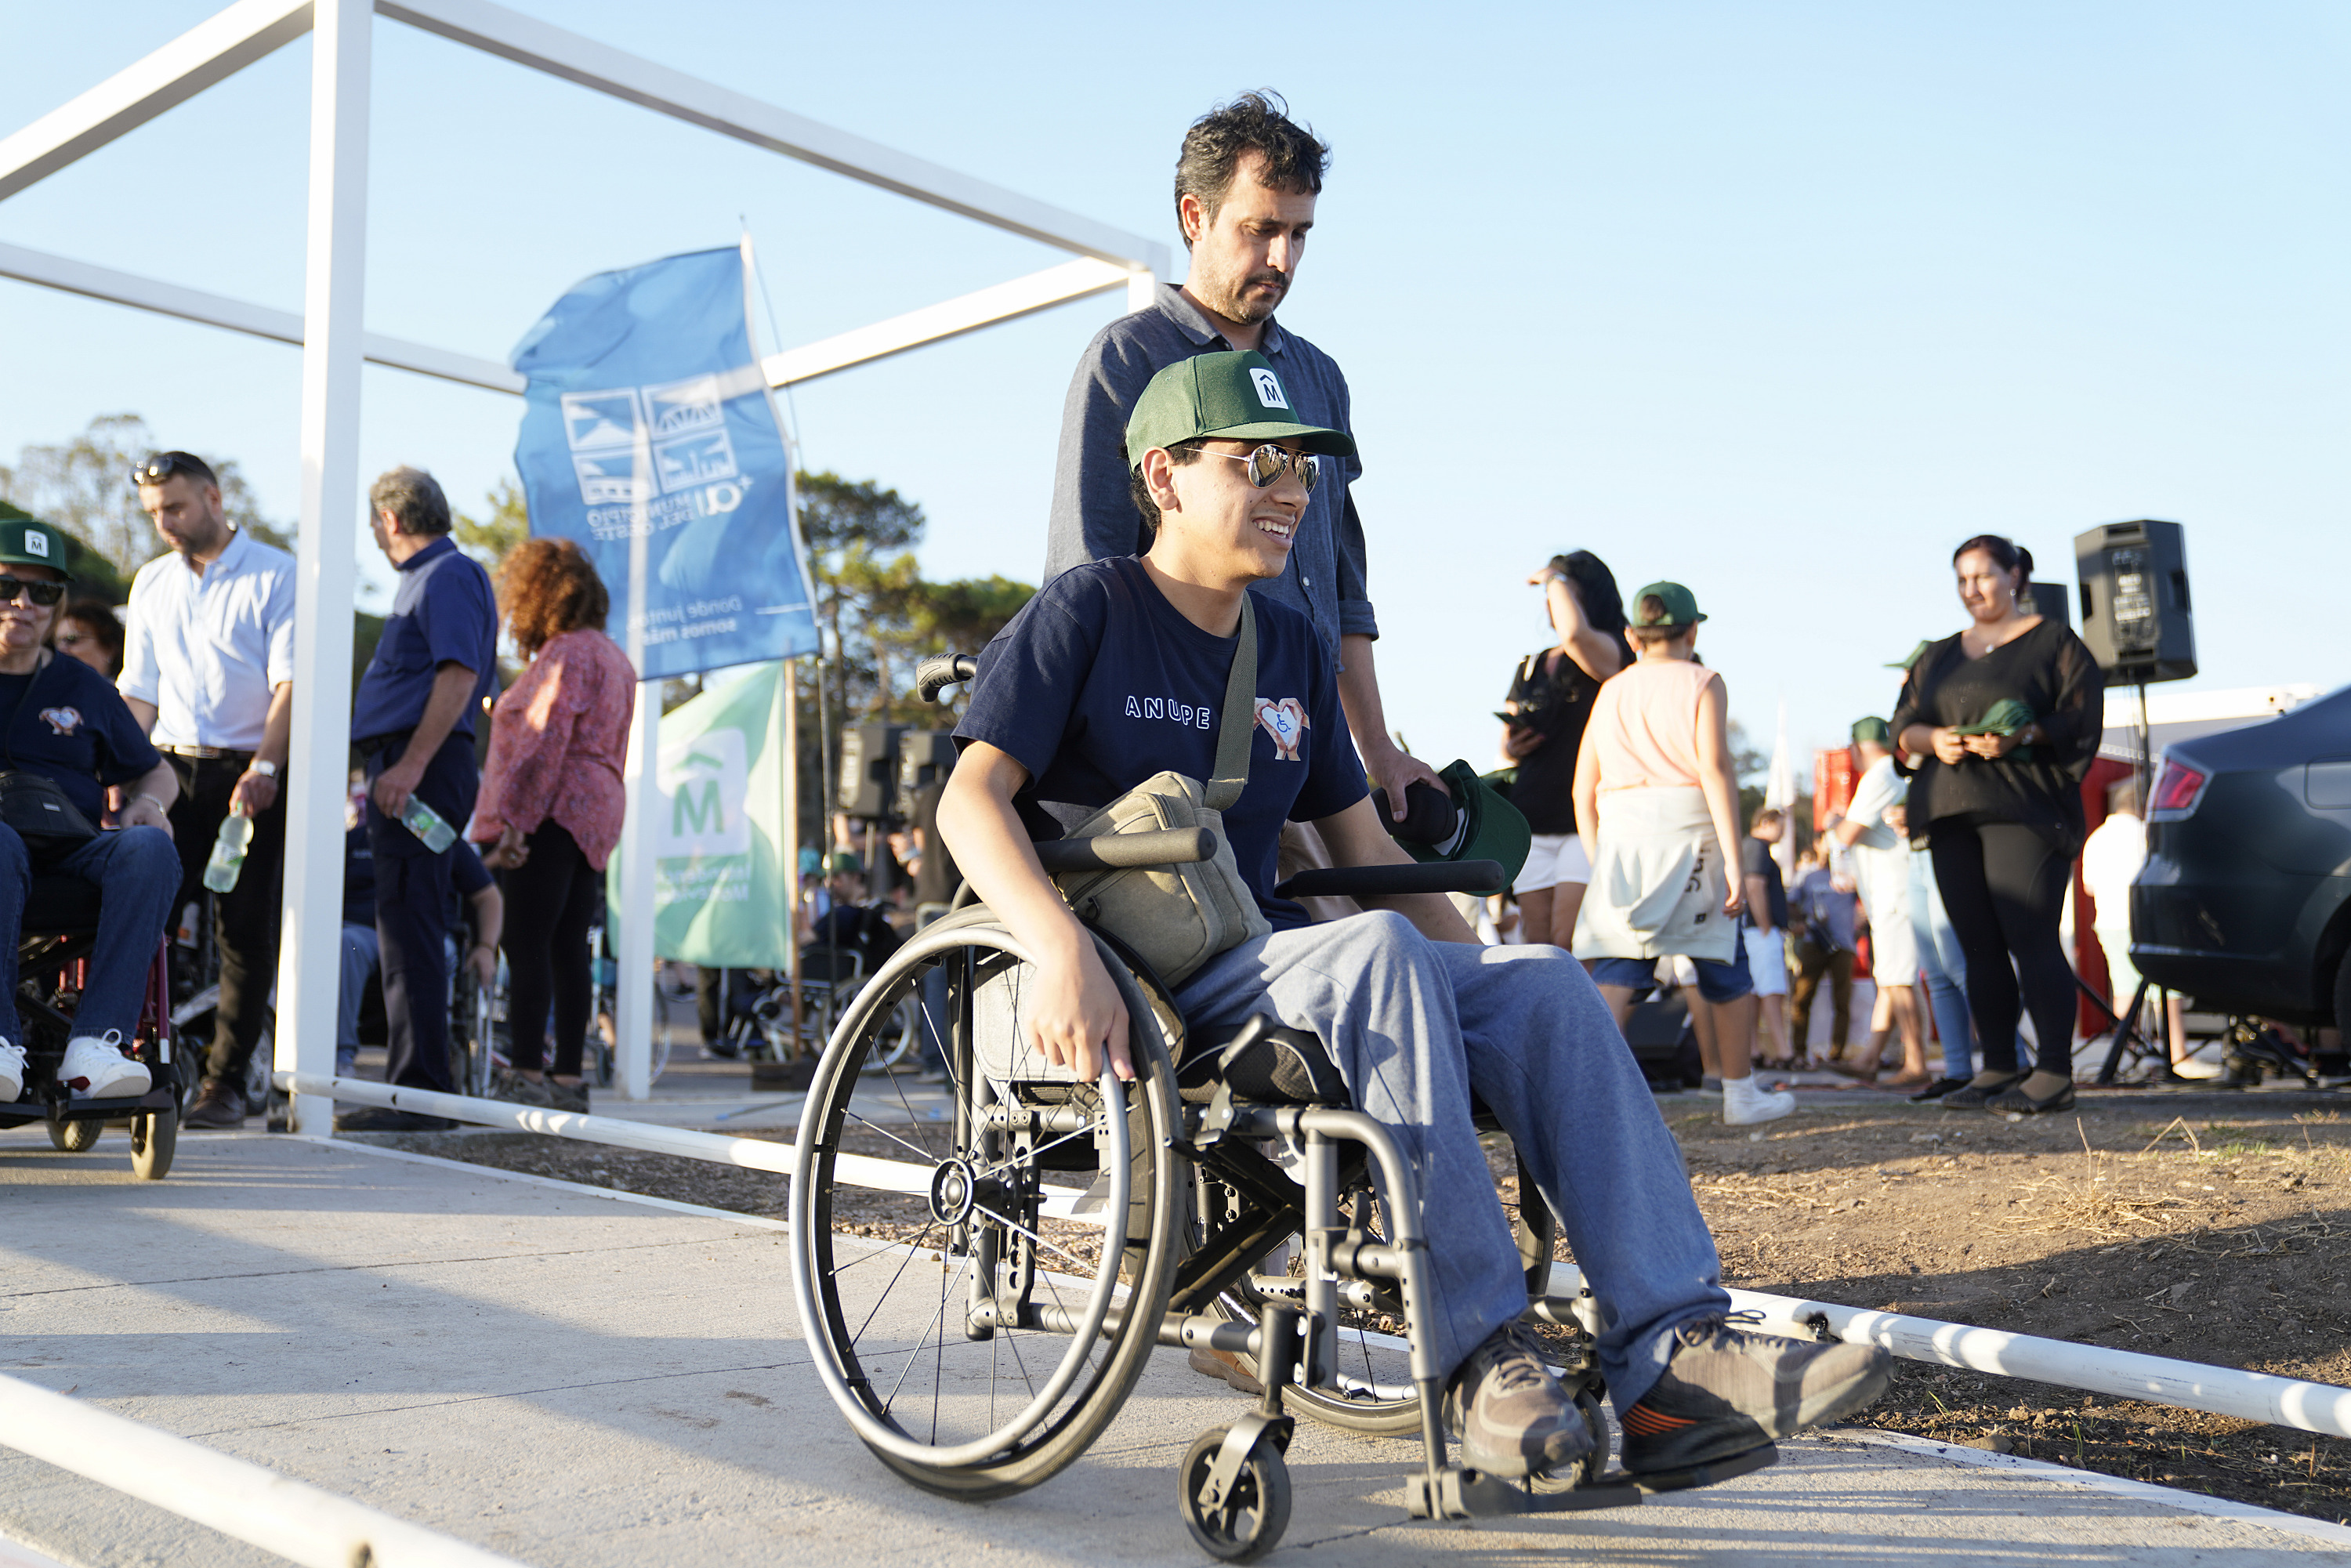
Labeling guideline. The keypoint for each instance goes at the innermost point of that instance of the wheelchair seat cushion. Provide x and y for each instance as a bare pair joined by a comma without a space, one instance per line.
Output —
56,906
1288,1067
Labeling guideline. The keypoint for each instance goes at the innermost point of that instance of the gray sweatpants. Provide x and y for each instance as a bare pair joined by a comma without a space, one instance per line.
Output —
1417,1027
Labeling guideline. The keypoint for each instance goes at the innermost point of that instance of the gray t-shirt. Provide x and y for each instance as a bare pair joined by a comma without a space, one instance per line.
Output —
1093,515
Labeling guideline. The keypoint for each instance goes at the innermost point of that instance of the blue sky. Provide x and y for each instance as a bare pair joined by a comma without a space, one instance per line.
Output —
1780,300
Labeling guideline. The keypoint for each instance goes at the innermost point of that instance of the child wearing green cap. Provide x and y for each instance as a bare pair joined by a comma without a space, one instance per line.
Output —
1656,803
1115,673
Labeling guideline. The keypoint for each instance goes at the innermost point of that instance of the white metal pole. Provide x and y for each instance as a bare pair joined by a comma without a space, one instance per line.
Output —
1142,291
310,956
291,1519
633,988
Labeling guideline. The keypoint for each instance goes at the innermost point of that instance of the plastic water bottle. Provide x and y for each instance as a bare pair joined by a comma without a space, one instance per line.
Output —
426,824
228,852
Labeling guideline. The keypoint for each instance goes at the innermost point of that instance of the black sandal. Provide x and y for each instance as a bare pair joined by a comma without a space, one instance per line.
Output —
2016,1099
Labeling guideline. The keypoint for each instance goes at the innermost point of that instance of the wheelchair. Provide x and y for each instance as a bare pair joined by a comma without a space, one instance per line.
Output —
60,931
980,1294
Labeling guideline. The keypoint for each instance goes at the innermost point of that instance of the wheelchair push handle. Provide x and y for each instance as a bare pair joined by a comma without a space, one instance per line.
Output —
1391,881
938,673
1121,851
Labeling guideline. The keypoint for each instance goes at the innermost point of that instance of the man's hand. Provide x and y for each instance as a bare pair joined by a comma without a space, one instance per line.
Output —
395,784
1075,1010
255,793
141,811
483,959
1397,771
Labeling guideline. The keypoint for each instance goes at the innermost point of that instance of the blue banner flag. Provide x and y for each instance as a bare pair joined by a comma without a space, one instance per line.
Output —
652,440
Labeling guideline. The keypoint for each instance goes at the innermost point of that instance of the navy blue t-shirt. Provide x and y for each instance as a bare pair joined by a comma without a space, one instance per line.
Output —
442,613
1099,683
467,876
67,721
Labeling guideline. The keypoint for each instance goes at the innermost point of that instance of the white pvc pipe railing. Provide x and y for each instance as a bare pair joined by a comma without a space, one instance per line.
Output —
2190,1386
290,1518
750,1154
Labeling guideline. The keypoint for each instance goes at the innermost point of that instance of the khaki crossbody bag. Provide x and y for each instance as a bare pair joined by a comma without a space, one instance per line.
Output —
1178,917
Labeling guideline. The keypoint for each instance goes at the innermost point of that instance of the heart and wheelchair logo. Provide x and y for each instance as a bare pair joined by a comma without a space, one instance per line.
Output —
1286,722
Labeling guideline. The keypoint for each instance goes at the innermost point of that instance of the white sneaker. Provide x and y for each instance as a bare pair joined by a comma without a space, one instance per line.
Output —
96,1069
11,1073
1744,1104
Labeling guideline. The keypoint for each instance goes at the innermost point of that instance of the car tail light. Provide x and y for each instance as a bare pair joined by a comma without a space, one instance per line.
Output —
2177,788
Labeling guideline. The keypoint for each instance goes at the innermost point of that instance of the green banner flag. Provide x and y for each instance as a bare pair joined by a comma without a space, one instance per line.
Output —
720,897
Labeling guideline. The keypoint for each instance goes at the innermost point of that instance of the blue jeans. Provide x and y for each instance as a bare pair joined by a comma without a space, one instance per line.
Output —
360,948
1417,1027
136,872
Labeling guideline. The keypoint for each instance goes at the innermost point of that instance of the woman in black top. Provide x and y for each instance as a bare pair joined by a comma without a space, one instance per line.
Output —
1550,701
2002,721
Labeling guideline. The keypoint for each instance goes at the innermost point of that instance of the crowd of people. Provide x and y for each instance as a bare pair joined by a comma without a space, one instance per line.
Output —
166,731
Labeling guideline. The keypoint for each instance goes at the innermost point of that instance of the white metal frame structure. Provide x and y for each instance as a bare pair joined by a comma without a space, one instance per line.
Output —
334,342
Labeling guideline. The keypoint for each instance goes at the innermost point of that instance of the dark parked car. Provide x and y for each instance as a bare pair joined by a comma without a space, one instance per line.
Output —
2245,904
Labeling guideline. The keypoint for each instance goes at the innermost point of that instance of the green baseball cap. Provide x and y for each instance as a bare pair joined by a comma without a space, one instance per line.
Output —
1492,828
1237,396
845,863
1912,657
1873,730
1680,606
28,541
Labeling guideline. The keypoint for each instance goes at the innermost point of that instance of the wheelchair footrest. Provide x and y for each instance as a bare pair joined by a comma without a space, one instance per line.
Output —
1707,1475
161,1097
1456,1494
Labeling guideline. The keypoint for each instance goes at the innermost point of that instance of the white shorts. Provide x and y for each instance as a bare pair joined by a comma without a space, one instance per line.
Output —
1766,963
1551,859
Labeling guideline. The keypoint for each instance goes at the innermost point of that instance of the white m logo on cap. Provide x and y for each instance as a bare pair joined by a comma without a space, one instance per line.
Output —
1268,389
36,544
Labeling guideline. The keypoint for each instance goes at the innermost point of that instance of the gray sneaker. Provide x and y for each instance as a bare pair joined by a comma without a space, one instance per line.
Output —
514,1088
569,1096
1727,1391
1512,1417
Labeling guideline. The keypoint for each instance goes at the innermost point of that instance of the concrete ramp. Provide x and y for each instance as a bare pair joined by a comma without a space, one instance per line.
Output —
577,1379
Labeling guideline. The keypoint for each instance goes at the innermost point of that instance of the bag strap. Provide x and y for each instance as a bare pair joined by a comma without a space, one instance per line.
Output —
1238,725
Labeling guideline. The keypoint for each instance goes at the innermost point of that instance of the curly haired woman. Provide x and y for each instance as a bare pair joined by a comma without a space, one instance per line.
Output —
552,803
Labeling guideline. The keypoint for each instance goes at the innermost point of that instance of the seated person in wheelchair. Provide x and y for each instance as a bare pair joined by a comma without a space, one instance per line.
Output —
849,923
477,930
62,723
1112,675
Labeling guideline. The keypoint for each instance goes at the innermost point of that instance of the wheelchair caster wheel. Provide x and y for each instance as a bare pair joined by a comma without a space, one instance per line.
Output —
1247,1519
75,1137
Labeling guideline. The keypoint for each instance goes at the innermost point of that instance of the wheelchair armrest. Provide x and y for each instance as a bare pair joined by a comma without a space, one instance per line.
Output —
1390,881
1120,851
937,673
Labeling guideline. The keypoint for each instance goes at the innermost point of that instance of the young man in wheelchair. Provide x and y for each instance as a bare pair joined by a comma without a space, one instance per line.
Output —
66,734
1113,673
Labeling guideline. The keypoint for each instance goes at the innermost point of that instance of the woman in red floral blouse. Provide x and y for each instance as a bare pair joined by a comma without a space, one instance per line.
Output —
551,804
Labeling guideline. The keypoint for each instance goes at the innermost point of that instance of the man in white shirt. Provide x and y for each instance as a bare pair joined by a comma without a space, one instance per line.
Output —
208,667
1882,867
2111,861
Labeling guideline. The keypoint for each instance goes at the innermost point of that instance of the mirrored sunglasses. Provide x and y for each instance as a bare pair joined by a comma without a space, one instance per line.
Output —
1269,463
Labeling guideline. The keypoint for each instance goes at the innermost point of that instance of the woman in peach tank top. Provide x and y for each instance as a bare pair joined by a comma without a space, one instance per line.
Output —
1657,804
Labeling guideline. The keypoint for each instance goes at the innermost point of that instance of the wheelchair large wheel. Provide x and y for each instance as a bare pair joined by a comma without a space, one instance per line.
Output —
900,1033
975,1344
75,1137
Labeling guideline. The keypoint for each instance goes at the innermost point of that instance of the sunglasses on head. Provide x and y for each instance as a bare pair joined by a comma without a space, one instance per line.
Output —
41,593
1269,463
164,464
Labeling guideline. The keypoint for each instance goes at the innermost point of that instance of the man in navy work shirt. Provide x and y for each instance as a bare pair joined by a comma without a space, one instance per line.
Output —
1115,671
60,719
413,719
1246,182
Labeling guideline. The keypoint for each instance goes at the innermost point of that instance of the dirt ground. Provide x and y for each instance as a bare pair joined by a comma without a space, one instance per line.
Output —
2222,1235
